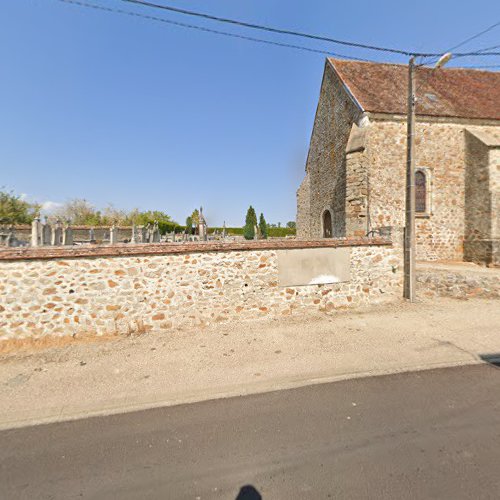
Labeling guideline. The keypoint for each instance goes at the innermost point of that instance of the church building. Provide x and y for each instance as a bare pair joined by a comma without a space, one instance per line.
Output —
355,173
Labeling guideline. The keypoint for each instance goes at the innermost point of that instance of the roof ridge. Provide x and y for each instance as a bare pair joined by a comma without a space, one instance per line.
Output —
333,60
451,92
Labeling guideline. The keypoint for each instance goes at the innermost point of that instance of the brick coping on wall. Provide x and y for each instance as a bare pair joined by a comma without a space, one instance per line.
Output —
127,249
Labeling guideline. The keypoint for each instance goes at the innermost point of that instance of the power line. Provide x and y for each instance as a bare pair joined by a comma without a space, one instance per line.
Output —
272,30
275,30
208,30
465,54
489,48
473,37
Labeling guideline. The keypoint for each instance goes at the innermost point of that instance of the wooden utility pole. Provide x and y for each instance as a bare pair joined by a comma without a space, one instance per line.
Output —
409,240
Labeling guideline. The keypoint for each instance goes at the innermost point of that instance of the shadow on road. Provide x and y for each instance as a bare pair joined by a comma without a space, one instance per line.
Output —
248,492
492,359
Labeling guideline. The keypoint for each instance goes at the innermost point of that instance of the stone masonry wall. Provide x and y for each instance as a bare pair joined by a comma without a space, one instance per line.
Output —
62,293
357,183
440,148
495,205
477,201
304,209
326,166
457,282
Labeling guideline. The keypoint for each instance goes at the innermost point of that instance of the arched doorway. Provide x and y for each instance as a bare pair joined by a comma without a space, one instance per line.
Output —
327,224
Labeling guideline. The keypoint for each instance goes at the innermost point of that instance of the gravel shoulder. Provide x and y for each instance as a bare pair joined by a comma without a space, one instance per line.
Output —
83,378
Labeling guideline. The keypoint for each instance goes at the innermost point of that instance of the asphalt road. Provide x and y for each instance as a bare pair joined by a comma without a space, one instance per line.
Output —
433,434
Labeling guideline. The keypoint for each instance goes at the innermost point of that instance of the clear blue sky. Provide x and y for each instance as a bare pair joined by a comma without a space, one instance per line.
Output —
135,113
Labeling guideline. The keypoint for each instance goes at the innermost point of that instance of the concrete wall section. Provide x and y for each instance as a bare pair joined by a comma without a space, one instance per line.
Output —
313,266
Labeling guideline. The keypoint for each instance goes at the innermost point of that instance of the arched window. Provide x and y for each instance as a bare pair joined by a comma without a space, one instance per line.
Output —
420,192
327,224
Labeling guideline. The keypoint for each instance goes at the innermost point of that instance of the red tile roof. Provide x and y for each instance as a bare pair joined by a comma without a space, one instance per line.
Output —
451,92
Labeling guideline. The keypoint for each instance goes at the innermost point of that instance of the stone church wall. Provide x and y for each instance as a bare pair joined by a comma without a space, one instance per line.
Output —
441,151
326,165
482,200
364,187
304,209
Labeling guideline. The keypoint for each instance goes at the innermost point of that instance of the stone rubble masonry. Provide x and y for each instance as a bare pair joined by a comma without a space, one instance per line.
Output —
482,199
458,283
304,209
66,292
325,185
441,149
359,174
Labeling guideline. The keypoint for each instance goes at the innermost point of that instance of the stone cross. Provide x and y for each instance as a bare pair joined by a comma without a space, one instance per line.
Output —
202,226
133,238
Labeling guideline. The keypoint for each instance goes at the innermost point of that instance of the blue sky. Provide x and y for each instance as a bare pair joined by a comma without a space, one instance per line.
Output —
135,113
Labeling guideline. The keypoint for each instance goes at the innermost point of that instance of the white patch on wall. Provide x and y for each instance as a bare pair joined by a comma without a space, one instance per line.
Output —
313,266
324,279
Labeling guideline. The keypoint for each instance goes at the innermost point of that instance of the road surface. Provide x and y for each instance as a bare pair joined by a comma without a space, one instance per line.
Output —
433,434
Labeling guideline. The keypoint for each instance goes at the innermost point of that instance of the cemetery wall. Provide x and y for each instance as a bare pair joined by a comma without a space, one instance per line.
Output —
123,289
80,233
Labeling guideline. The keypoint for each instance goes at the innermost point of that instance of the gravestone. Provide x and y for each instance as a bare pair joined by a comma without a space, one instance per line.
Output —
113,235
155,233
56,237
46,233
67,237
36,232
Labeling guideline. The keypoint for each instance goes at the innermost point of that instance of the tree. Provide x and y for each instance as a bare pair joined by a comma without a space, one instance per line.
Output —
15,210
79,212
150,216
291,224
263,227
189,225
250,223
195,217
113,216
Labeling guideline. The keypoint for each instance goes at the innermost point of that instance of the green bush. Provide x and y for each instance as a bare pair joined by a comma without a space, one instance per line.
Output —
276,232
281,232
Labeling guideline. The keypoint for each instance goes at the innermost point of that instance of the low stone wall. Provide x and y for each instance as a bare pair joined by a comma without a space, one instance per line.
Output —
133,288
457,280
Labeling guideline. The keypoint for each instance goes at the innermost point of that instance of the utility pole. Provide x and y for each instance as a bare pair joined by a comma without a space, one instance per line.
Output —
409,238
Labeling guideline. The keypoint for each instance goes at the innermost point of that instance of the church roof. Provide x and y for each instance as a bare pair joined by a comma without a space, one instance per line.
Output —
446,92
